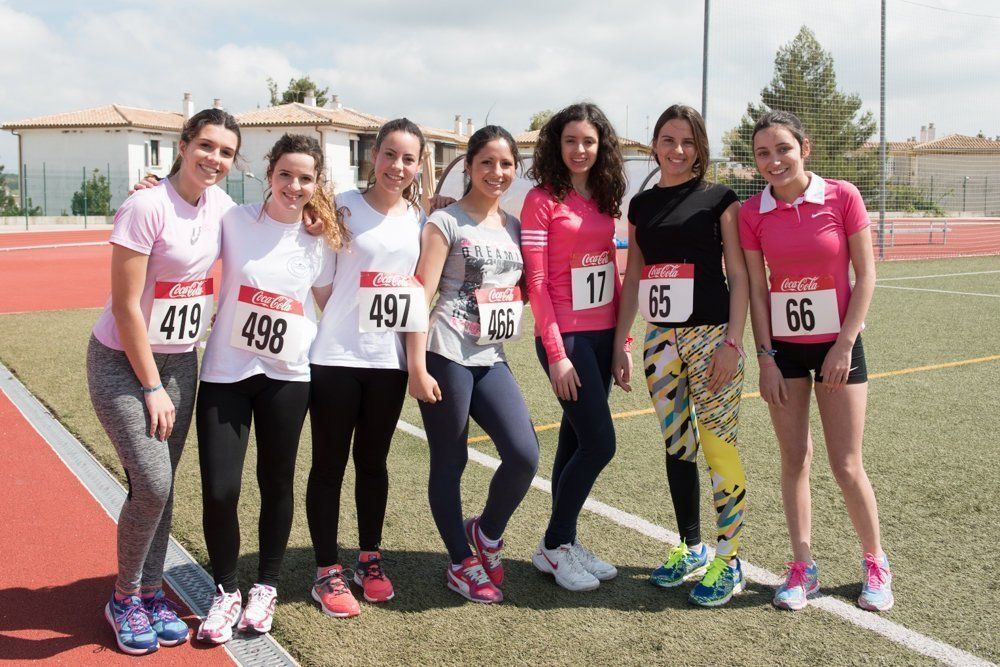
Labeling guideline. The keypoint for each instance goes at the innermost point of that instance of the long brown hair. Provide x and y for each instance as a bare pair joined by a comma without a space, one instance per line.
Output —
321,206
192,128
412,191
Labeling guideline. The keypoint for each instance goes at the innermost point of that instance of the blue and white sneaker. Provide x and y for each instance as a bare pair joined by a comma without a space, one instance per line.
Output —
721,582
131,625
170,630
801,582
876,591
681,565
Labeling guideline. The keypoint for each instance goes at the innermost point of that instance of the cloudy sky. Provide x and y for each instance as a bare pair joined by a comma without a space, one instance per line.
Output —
433,59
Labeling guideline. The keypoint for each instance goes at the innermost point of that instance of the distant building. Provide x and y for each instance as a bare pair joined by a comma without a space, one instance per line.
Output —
630,147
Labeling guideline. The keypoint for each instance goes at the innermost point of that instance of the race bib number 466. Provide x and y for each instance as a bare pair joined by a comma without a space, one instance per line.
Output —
593,279
804,306
500,310
391,302
666,292
269,325
180,312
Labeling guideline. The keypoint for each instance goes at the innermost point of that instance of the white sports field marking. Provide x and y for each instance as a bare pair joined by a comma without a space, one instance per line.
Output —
894,632
55,245
939,291
937,275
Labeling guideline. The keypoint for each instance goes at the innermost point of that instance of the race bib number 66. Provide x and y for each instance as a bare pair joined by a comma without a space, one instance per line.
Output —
180,312
390,302
804,306
269,325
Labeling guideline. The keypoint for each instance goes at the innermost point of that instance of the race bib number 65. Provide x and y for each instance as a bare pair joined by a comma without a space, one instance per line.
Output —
804,306
180,312
391,302
269,325
666,292
500,310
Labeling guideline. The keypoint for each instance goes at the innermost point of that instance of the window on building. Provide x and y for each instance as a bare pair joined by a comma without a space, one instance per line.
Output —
365,145
443,156
354,152
154,153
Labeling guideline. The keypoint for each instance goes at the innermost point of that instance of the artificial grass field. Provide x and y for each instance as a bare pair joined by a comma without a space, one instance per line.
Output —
931,449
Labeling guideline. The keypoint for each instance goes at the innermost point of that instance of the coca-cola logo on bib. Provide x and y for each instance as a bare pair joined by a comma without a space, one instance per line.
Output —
805,284
187,290
389,280
502,294
664,271
272,301
594,259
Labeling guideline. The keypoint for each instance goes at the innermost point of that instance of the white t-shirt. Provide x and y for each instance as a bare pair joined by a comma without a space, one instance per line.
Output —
378,243
268,270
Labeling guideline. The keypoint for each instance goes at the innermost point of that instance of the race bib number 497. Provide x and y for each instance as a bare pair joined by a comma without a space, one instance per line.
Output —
269,325
804,306
500,310
180,312
593,279
666,292
391,302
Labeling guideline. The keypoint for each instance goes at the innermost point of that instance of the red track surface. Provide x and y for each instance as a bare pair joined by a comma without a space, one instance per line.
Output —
58,550
22,239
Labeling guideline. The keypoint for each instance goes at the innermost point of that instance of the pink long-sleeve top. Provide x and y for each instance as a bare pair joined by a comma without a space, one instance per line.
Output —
555,237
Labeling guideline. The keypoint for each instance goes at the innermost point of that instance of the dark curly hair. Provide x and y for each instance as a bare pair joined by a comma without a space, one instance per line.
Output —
606,179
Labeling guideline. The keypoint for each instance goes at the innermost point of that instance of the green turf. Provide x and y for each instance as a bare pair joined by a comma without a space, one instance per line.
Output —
930,450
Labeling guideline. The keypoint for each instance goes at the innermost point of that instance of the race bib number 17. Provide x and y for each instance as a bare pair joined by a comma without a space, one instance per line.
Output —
391,302
269,325
804,307
180,312
593,279
500,310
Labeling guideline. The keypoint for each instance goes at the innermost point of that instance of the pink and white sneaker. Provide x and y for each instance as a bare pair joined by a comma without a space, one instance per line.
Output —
259,612
471,582
217,627
490,557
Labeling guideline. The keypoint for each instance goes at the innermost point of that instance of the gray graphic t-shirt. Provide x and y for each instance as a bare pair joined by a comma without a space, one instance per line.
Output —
478,257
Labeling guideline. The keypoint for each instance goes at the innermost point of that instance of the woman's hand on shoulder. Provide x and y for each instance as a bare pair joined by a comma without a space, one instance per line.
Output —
436,202
148,181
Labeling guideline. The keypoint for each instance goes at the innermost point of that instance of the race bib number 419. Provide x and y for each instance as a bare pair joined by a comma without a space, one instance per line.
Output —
804,306
500,310
593,279
180,312
666,292
391,302
269,325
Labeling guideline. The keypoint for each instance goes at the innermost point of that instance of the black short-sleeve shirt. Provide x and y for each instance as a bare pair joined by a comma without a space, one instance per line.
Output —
682,224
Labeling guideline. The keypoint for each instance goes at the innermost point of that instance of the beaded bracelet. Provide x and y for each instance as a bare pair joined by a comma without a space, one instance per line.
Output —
765,351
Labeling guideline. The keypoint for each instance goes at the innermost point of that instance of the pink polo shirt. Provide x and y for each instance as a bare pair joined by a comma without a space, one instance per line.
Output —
806,239
555,237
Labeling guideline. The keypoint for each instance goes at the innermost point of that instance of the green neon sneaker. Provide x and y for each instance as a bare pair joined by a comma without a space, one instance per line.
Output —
682,564
721,582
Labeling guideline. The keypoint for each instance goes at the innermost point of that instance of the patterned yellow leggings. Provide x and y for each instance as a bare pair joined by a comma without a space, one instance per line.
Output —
676,361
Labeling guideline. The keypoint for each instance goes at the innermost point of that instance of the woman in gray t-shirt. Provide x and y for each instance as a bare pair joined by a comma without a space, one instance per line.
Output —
470,256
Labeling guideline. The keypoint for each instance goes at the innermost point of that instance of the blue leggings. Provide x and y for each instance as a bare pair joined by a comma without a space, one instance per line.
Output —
586,435
490,395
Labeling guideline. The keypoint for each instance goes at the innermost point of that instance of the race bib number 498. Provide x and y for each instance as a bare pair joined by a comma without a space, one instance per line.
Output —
804,306
269,325
180,312
593,279
666,292
391,302
500,310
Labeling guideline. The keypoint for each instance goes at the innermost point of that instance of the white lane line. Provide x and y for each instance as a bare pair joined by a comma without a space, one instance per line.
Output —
55,245
937,275
894,632
939,291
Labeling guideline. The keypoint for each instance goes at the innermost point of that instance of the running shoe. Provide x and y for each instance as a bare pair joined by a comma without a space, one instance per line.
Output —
876,591
801,581
258,615
369,575
591,563
472,583
133,632
170,630
334,594
681,565
563,564
488,556
721,582
217,628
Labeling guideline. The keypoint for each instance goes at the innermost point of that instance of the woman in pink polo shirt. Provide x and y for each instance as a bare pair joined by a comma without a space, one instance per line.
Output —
807,322
567,240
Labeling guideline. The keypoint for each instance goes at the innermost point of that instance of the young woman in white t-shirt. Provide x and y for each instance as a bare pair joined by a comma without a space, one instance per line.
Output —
359,365
256,369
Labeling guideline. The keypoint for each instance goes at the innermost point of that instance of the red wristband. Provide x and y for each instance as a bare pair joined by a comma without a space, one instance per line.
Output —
731,342
628,344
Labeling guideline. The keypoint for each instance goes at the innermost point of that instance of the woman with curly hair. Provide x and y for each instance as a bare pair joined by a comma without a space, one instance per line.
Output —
567,240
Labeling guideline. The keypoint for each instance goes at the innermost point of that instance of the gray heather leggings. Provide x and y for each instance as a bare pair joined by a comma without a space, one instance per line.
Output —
144,522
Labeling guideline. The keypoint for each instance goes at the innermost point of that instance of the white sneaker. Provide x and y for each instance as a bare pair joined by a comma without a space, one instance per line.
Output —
259,612
562,563
591,563
217,628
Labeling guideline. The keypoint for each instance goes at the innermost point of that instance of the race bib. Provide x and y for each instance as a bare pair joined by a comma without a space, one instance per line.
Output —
270,325
804,306
181,312
666,292
500,310
391,302
593,278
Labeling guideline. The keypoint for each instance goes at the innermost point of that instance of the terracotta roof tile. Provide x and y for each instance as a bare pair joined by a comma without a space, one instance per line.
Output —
112,115
952,143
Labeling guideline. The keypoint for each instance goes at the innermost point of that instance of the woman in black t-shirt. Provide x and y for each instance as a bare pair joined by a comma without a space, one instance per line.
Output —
680,231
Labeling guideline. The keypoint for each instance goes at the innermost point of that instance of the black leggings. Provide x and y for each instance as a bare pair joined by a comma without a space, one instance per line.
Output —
224,413
586,434
364,403
490,395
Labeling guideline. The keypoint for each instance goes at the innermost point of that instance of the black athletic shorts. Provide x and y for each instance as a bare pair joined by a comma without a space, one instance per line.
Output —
800,360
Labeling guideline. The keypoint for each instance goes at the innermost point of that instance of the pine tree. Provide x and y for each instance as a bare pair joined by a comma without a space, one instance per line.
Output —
296,91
